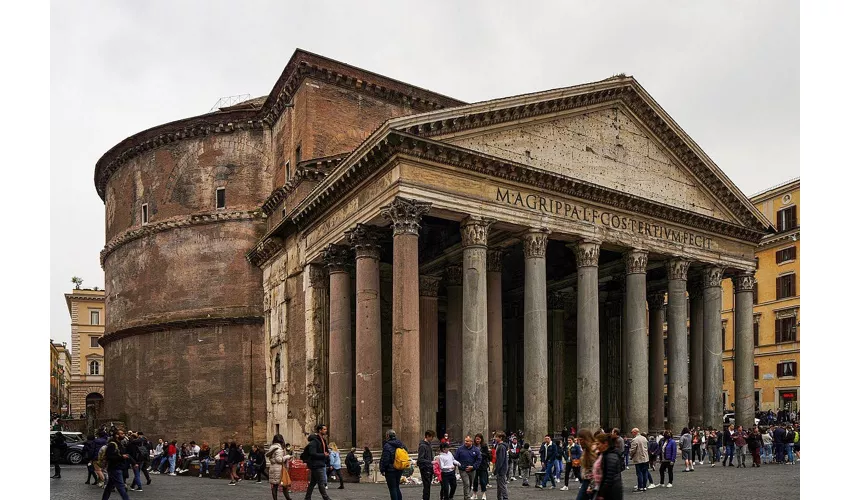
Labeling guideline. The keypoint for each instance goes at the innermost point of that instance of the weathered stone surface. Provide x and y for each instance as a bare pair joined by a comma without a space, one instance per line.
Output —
677,342
536,360
745,410
428,351
656,362
495,342
695,354
474,370
587,352
636,360
712,348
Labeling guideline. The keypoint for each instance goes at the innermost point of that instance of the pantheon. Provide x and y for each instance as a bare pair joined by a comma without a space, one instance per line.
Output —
357,251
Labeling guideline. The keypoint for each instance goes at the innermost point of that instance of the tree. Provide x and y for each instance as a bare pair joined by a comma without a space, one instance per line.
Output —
77,282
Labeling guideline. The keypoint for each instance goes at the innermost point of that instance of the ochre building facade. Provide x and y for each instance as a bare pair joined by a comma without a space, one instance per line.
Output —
88,368
360,252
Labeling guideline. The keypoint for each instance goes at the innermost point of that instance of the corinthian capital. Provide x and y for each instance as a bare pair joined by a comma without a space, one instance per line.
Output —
695,288
744,281
534,243
428,285
318,276
336,257
364,239
712,276
474,230
454,275
405,215
656,301
636,261
677,269
494,260
587,253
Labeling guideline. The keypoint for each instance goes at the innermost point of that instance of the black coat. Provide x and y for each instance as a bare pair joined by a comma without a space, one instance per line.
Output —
315,453
611,487
352,464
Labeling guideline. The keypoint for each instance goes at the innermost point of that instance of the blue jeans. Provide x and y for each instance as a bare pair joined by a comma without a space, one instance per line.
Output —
789,452
730,453
559,467
393,478
767,452
137,476
550,473
582,490
116,479
642,471
205,466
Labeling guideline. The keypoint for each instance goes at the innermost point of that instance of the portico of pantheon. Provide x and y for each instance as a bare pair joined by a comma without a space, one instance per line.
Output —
508,264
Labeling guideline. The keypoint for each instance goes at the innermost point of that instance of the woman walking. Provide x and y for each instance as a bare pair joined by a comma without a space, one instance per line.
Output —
588,458
482,474
235,456
278,471
258,459
447,465
336,464
607,469
767,449
711,446
668,456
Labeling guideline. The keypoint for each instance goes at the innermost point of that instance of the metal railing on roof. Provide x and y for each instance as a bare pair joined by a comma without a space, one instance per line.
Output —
771,188
231,100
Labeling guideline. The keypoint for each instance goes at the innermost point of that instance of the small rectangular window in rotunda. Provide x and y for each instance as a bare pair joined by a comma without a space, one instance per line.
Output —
144,214
219,198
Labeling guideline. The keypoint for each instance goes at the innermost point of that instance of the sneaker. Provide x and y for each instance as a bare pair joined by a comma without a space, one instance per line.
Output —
552,487
713,465
172,474
475,496
200,475
483,496
140,490
538,486
669,485
565,488
651,486
635,489
133,488
232,483
700,462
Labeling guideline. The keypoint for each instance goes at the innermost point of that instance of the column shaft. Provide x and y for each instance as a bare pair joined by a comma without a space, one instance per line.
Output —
656,362
339,348
712,348
677,344
495,342
559,361
454,351
745,411
636,376
428,319
587,344
535,383
695,363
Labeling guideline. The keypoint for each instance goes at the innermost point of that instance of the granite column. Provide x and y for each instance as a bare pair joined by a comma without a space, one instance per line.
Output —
495,343
636,364
337,258
587,344
535,385
695,363
677,342
428,319
656,362
454,351
745,411
712,347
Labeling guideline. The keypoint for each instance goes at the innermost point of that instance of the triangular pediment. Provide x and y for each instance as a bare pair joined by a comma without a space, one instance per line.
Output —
607,147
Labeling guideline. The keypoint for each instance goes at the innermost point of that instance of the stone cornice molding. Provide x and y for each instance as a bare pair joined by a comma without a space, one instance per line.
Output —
364,239
636,261
453,275
302,65
587,253
677,269
405,215
337,258
179,325
175,223
474,230
744,281
534,243
712,276
310,170
428,285
494,260
655,300
779,239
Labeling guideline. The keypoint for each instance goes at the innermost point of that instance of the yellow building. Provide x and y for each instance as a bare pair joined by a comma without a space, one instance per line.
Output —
64,382
54,378
776,309
86,308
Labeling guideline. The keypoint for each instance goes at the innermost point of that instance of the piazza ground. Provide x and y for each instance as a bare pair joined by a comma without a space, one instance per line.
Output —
768,482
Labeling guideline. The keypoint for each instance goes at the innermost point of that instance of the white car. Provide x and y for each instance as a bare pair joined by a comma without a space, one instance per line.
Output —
729,418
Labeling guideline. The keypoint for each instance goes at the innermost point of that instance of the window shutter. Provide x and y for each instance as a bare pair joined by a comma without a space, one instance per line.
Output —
793,368
756,293
778,370
756,372
792,280
778,256
778,330
793,223
778,288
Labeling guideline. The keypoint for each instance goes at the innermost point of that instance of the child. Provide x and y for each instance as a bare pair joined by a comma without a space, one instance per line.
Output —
525,464
446,464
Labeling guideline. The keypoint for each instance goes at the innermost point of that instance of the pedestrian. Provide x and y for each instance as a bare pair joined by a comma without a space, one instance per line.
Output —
728,444
258,459
588,458
619,446
513,457
790,435
99,444
547,461
424,460
448,479
135,450
336,464
317,456
668,456
711,446
574,457
779,444
171,457
87,452
797,441
157,456
608,468
482,473
739,437
524,462
115,458
652,450
686,447
501,467
446,439
393,463
367,459
470,458
58,447
754,444
639,455
352,465
278,472
235,456
145,453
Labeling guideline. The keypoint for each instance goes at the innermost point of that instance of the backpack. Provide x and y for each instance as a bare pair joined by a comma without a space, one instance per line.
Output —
796,437
402,459
304,455
101,456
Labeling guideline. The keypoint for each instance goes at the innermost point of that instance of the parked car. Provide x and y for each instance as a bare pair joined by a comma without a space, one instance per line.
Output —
70,437
74,455
729,418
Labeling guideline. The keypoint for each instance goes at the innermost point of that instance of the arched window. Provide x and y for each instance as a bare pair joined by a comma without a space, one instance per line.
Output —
94,367
277,368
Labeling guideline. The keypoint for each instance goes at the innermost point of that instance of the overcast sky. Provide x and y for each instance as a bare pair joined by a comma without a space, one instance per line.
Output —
728,72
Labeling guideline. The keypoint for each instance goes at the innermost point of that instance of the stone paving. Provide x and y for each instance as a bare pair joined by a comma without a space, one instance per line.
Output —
768,482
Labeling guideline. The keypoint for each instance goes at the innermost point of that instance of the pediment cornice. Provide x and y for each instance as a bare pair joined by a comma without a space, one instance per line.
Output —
314,170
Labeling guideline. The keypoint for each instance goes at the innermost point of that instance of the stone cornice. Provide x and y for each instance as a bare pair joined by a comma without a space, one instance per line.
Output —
313,170
779,239
301,66
177,222
179,325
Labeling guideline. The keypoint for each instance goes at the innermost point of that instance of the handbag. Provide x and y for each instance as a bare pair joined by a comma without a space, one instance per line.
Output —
285,480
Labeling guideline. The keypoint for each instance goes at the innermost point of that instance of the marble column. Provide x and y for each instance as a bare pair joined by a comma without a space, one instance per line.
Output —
475,389
454,350
745,411
695,364
677,344
535,383
316,331
570,369
559,360
495,343
587,344
428,356
656,362
367,356
337,258
636,376
405,215
712,347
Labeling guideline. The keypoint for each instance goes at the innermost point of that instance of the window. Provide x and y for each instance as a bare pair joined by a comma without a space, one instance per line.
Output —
94,316
755,334
288,174
93,342
786,329
723,337
755,372
276,375
757,263
666,380
786,219
219,198
665,347
756,292
298,155
723,374
786,286
786,254
786,369
144,214
94,367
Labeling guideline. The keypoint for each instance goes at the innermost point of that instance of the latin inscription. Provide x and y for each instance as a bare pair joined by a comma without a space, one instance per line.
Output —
569,210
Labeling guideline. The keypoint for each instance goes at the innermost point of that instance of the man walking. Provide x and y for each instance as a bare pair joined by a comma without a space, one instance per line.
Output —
388,469
790,434
501,469
317,457
548,454
639,455
115,458
740,439
685,443
470,459
424,460
728,445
